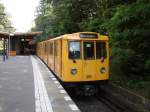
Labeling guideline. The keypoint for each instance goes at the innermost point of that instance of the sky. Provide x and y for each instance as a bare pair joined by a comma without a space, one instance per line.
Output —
22,13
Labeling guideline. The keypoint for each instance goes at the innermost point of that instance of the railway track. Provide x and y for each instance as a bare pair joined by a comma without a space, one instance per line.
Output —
96,103
110,98
106,101
109,103
91,104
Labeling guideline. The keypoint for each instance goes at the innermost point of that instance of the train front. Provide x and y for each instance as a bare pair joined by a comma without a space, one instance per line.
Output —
86,61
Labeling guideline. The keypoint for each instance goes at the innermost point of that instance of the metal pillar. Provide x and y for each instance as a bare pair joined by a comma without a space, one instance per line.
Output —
9,45
6,44
4,50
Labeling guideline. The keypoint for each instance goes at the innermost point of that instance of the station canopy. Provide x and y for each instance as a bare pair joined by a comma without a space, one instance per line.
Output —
28,35
4,35
20,43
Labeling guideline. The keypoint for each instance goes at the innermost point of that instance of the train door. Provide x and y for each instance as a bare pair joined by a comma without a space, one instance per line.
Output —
45,53
42,51
50,58
72,60
57,59
55,56
48,54
102,60
89,60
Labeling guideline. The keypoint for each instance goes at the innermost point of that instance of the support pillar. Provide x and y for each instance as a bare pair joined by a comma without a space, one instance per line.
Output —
4,50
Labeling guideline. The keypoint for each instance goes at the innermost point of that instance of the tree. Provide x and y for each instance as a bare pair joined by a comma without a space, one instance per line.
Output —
129,30
4,21
126,21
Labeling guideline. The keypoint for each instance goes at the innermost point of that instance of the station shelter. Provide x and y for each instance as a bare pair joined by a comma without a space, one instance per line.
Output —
18,43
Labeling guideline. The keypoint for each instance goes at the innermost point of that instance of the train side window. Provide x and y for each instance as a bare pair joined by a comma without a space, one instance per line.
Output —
74,50
55,48
45,47
101,50
51,48
88,50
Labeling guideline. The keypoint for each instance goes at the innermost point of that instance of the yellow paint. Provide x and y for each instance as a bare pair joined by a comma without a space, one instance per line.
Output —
58,61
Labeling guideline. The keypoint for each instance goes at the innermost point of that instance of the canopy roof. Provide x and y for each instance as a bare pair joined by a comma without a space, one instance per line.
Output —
20,34
3,34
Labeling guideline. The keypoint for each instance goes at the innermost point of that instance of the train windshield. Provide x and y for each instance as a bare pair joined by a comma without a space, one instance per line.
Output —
100,50
88,50
74,50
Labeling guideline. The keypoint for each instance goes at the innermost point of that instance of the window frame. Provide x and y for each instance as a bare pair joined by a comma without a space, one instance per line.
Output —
51,48
45,47
55,48
80,49
94,50
105,56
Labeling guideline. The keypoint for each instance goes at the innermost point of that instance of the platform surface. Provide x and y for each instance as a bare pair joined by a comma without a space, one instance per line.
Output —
27,85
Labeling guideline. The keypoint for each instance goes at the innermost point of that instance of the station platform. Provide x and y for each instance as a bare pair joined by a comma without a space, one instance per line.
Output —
27,85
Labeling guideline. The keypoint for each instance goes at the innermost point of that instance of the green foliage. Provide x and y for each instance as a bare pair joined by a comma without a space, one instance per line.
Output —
68,16
2,15
4,19
129,30
126,21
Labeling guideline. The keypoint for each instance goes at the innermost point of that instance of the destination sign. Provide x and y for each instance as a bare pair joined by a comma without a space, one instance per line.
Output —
87,35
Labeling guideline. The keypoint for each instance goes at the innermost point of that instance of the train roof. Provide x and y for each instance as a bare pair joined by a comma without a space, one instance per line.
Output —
76,36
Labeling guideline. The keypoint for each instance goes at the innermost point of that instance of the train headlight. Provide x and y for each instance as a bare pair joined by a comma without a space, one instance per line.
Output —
103,70
73,71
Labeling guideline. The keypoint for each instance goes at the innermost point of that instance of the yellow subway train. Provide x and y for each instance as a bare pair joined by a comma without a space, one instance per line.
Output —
79,60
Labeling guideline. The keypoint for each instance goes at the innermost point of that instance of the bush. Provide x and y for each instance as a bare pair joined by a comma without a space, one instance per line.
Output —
129,31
